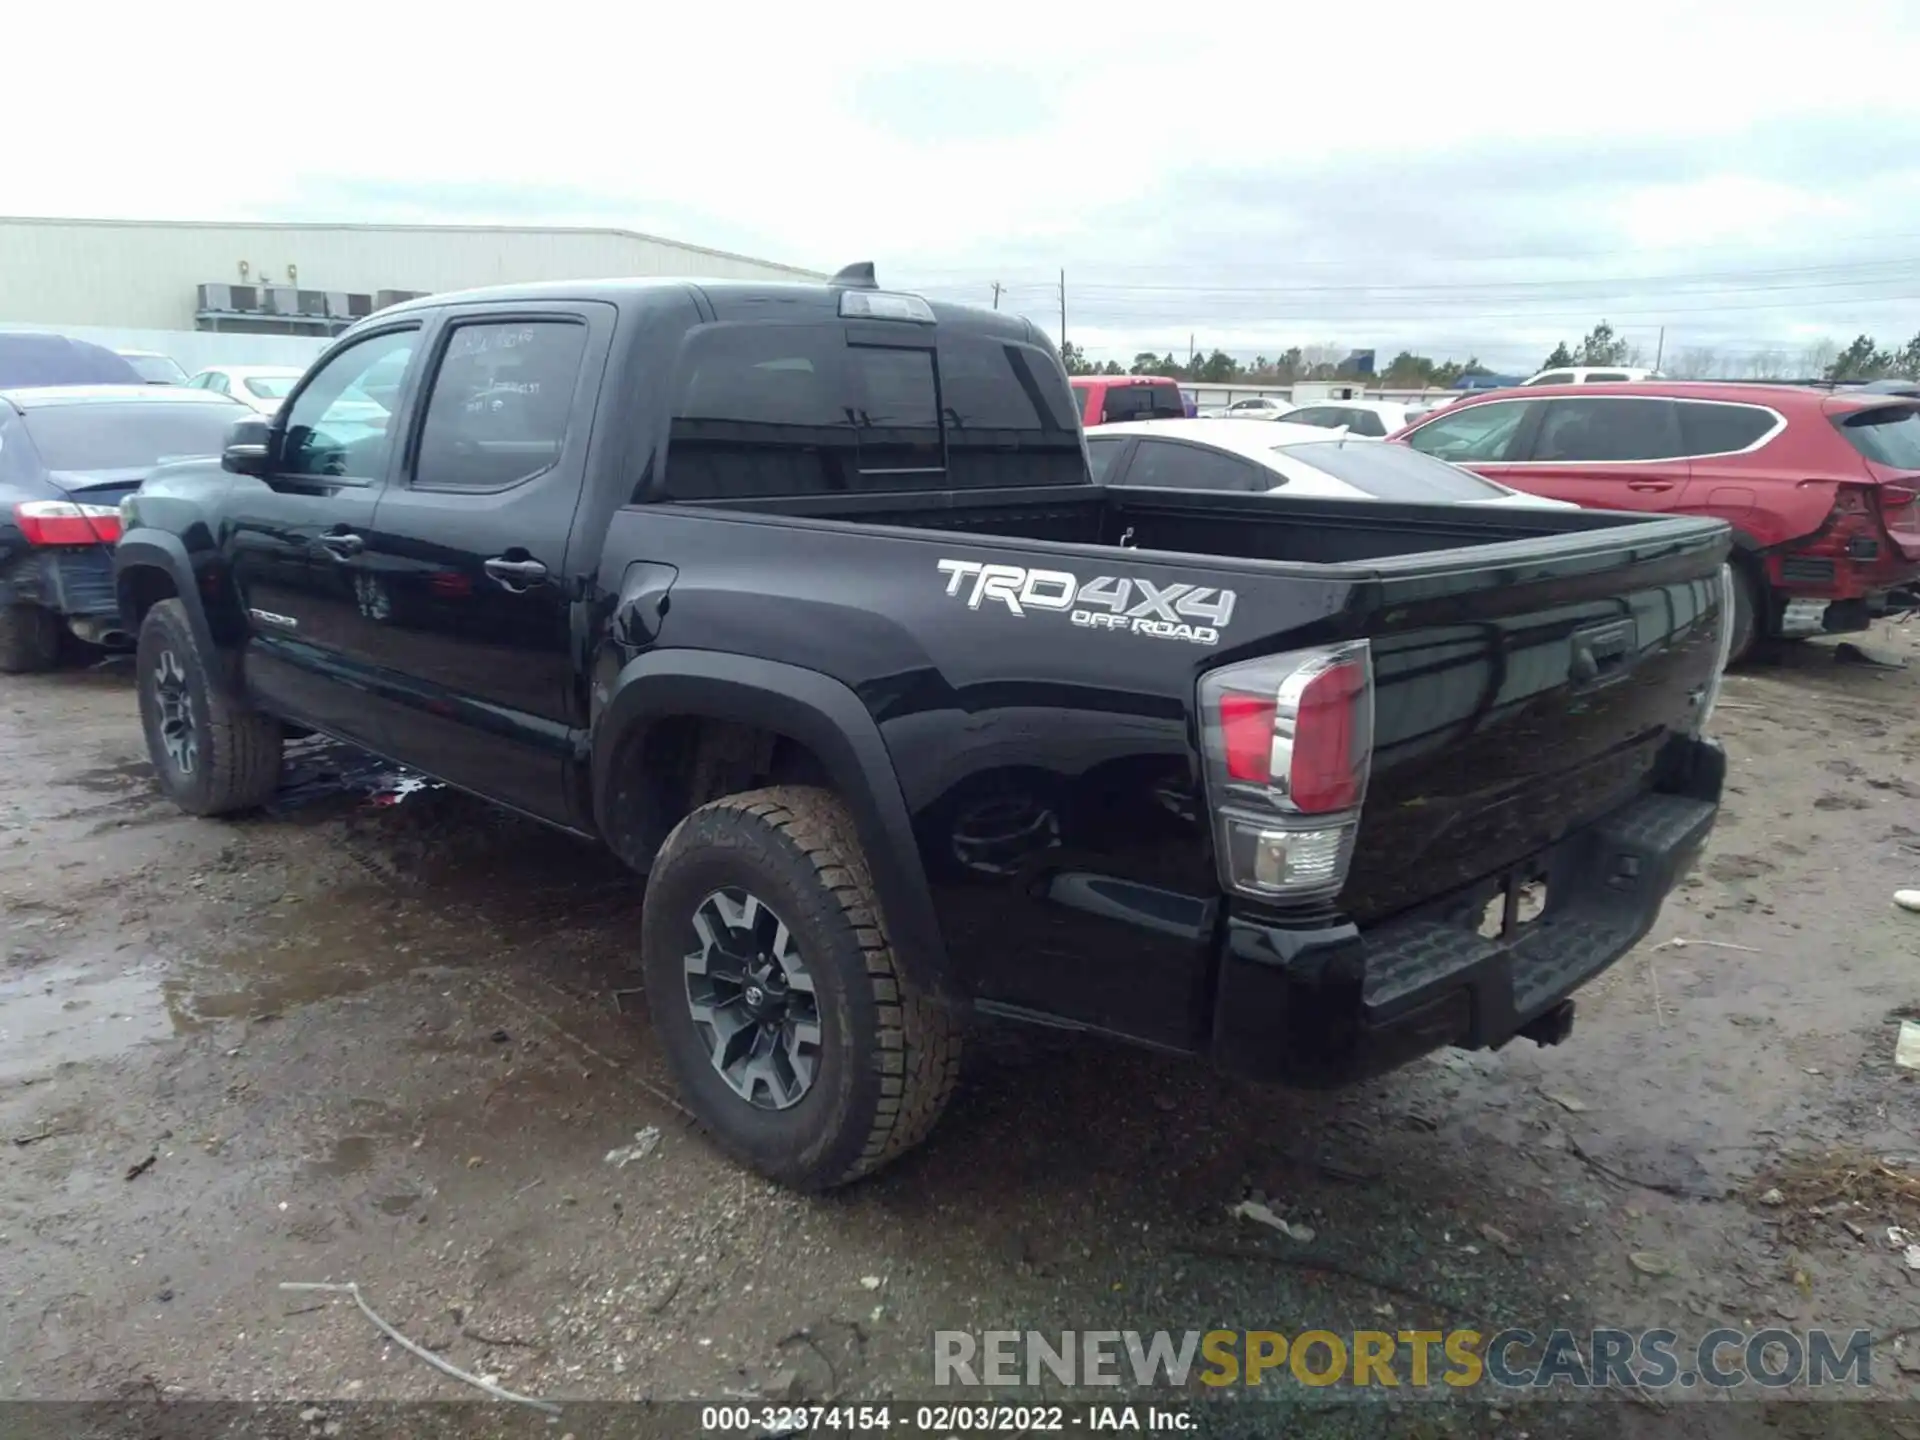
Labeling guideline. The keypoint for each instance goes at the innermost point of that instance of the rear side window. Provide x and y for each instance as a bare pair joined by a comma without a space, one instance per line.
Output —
1606,429
1143,402
793,410
1599,377
1166,464
1722,429
501,398
1358,422
1557,377
1101,454
1473,434
1888,435
1325,416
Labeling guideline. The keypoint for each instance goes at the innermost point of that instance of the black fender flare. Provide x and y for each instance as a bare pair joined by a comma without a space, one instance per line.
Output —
827,717
150,549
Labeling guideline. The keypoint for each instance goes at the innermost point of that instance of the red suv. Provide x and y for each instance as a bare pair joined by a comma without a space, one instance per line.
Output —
1822,487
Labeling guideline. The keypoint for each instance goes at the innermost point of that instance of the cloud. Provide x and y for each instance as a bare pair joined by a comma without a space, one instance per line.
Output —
1388,177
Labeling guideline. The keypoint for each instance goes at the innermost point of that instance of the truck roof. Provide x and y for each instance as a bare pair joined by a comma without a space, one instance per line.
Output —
735,299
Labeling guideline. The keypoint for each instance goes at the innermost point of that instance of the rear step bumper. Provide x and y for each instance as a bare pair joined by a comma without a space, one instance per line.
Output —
1329,1007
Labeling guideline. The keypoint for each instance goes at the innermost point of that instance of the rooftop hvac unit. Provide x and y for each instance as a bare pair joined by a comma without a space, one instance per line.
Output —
281,300
229,299
344,306
312,302
383,298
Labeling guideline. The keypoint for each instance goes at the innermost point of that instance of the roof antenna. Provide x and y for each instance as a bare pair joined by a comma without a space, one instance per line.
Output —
857,276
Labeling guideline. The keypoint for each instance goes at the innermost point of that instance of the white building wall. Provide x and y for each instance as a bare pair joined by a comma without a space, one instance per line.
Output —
145,274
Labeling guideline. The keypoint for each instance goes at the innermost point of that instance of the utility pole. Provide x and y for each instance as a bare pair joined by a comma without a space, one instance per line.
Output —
1189,349
1063,309
1660,347
997,288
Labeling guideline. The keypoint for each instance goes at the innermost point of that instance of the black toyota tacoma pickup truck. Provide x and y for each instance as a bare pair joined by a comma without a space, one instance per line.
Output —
801,598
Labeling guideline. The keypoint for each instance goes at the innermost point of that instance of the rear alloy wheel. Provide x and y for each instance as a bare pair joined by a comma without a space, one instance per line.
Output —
29,639
750,996
797,1043
210,755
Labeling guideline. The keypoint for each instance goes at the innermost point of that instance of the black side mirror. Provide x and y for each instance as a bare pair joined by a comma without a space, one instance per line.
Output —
247,442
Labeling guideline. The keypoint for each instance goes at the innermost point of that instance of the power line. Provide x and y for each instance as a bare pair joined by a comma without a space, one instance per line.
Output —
1823,244
1652,316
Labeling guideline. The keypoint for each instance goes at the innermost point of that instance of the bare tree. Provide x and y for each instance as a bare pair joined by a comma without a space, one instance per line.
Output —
1695,362
1767,365
1815,358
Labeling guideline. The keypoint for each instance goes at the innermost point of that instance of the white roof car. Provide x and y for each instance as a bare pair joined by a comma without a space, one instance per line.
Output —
1373,419
1591,375
261,386
1250,407
1287,459
155,368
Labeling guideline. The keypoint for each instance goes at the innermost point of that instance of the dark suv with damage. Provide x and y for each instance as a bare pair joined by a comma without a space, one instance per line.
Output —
802,600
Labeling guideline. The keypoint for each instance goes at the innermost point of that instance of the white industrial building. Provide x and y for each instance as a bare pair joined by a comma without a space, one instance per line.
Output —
304,280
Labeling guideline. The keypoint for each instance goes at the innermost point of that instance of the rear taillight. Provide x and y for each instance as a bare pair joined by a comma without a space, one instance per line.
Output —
1900,507
63,522
1288,742
1852,529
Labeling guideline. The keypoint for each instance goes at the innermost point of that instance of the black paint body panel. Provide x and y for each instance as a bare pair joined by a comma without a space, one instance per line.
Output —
1027,788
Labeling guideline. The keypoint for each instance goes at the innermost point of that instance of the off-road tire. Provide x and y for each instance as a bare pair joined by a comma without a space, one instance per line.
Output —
29,639
889,1057
237,766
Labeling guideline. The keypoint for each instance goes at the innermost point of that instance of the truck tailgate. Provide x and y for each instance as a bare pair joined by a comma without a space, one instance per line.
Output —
1515,702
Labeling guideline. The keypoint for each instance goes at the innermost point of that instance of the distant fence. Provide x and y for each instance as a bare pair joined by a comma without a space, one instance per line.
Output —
194,350
1309,392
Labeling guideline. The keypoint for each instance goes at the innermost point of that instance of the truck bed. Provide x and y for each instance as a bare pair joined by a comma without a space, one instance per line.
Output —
1487,746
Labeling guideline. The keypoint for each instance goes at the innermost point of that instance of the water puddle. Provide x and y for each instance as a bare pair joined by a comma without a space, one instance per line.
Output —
349,1155
53,1015
303,955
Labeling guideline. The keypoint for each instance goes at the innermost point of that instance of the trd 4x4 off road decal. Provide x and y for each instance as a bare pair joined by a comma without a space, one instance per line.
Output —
1106,602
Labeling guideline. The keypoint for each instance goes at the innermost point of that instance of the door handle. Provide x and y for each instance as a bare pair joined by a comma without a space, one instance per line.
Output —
342,545
1601,652
515,575
1648,487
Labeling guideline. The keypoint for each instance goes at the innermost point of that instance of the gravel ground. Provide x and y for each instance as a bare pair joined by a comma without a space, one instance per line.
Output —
396,1044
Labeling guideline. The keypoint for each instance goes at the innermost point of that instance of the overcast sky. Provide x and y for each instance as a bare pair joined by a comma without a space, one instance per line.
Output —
1455,179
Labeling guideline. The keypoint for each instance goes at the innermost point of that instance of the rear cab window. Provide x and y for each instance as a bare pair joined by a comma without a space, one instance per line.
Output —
1143,402
763,411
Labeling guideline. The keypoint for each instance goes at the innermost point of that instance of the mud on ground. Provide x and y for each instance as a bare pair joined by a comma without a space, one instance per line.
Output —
396,1045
